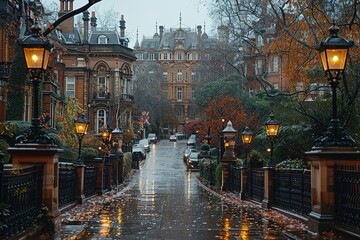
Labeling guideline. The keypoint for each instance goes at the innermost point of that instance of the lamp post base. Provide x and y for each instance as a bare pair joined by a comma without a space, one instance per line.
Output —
334,136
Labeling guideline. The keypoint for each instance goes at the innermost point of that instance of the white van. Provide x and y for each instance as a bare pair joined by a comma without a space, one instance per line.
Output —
145,143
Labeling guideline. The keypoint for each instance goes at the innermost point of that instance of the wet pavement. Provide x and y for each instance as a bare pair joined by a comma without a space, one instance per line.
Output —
164,201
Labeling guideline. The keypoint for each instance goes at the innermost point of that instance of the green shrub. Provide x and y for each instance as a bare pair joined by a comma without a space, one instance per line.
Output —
56,139
3,147
68,155
127,161
89,153
218,175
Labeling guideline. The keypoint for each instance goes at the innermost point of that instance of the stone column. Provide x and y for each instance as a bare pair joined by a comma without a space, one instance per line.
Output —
244,183
323,161
80,181
28,154
228,160
268,187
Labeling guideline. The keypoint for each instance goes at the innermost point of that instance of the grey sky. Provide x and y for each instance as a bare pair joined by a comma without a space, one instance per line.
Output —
142,15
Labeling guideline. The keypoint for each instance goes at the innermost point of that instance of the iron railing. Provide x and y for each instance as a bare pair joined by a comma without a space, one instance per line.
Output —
347,195
22,193
292,190
90,181
67,183
256,189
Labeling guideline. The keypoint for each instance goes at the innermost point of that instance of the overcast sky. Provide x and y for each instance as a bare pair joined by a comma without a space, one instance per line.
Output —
142,15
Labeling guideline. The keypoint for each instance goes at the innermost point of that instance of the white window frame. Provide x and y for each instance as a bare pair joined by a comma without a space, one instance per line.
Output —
276,64
179,94
179,75
102,39
165,56
101,119
179,56
101,86
70,86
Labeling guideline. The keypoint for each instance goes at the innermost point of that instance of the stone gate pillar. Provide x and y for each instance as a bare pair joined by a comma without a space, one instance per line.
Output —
228,160
48,155
323,161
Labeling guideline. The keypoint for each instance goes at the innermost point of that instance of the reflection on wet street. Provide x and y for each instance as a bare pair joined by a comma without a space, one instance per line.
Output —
164,201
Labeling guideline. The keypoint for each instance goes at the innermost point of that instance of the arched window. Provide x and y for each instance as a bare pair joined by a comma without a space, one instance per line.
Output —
100,119
102,39
179,75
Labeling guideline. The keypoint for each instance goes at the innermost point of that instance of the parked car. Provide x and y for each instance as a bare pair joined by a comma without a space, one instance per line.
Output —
152,138
193,161
187,152
139,149
192,141
172,138
145,142
180,135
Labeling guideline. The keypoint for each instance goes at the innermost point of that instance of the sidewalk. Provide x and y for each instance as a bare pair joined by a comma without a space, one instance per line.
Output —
294,228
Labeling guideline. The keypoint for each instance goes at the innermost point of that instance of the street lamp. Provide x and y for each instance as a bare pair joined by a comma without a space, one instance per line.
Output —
246,137
208,137
272,129
37,54
106,137
333,52
81,127
117,138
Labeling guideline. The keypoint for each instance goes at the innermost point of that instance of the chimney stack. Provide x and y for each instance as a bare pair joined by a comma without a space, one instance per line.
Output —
93,21
161,30
86,25
122,27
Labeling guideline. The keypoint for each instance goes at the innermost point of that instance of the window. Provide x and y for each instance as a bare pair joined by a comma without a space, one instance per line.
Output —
101,91
276,63
193,76
140,56
70,87
179,94
207,56
179,56
151,56
276,85
193,56
192,94
179,75
165,56
192,112
81,62
101,120
102,39
180,111
258,67
165,75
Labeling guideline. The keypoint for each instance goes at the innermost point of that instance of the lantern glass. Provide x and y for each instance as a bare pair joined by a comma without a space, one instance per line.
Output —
36,58
246,138
81,127
334,59
272,130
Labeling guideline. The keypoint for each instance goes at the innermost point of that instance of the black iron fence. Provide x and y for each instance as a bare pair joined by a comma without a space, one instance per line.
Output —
67,183
207,169
22,194
292,190
347,195
90,181
235,179
256,182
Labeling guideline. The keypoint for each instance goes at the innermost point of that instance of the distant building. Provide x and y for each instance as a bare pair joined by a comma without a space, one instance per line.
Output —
180,53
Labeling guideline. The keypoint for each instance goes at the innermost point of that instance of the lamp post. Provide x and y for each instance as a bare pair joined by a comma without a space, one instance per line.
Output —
208,137
333,52
106,137
37,53
81,127
272,129
246,137
117,138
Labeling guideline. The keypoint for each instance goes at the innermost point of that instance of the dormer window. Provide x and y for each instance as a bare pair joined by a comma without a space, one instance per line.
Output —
102,39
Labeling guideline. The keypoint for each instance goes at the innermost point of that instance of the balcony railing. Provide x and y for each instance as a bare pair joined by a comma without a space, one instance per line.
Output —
102,96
